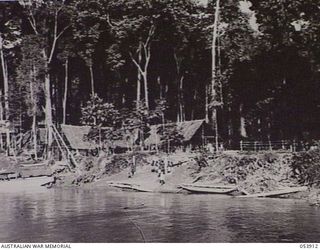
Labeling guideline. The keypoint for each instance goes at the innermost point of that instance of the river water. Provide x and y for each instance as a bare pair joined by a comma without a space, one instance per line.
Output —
77,215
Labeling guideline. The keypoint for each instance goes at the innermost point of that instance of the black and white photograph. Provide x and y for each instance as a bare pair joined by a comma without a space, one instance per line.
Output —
159,121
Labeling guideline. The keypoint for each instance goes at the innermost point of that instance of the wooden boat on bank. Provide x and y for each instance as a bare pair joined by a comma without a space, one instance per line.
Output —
278,193
208,189
129,187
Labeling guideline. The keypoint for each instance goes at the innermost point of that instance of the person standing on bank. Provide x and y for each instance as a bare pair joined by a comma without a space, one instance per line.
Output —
161,177
133,166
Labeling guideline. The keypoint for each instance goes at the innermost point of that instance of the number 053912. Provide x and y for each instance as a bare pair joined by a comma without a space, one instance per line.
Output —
309,246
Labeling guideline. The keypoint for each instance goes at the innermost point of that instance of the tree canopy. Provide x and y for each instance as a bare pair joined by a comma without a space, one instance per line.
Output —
91,60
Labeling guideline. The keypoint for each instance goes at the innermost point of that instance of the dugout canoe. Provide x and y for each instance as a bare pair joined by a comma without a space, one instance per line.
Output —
129,187
284,191
208,190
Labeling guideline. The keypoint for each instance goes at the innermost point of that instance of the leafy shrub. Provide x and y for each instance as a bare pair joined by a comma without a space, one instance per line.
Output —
306,167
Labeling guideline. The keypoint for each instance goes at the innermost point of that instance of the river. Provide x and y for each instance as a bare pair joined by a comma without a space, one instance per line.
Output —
83,215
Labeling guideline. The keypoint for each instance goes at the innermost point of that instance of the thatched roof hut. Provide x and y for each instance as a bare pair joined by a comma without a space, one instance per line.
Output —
192,132
189,130
76,137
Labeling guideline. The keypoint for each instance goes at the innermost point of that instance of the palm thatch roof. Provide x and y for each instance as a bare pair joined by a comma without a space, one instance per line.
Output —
187,129
76,136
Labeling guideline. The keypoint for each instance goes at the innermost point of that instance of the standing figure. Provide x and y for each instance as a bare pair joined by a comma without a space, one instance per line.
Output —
133,165
161,177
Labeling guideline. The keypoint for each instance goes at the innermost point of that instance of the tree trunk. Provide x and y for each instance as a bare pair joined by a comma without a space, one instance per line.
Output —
160,87
243,131
230,129
1,107
65,95
207,105
5,78
215,128
214,48
47,59
34,131
181,100
91,79
139,80
6,91
146,90
143,69
34,113
48,111
193,109
138,88
214,97
48,104
179,82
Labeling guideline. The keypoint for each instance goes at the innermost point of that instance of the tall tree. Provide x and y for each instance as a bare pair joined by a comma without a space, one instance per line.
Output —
233,40
179,28
49,21
10,33
290,33
89,23
30,75
66,53
134,24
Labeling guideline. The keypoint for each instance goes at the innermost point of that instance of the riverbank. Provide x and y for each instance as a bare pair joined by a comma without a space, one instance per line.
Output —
252,173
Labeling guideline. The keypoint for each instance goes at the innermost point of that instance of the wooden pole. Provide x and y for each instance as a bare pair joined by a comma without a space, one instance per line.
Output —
66,147
59,145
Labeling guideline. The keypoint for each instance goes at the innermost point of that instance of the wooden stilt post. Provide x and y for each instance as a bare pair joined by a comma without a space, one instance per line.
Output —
69,154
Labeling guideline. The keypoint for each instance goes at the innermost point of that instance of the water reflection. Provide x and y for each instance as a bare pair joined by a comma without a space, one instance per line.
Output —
76,215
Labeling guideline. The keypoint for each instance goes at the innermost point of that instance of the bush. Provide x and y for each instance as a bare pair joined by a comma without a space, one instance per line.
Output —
306,167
